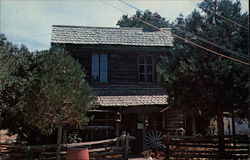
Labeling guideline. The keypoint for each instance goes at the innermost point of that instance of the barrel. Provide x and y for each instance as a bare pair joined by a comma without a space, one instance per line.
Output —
77,154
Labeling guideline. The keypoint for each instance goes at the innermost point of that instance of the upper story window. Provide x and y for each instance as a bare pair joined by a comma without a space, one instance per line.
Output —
99,68
145,69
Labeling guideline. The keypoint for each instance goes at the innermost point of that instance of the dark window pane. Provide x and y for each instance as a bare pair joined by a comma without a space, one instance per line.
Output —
141,68
149,59
95,77
141,78
141,60
149,78
149,68
103,68
95,67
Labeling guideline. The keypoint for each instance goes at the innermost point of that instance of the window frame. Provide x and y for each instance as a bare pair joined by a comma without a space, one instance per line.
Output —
99,68
145,73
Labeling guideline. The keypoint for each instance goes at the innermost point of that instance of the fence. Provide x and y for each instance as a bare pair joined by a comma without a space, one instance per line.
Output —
183,147
97,149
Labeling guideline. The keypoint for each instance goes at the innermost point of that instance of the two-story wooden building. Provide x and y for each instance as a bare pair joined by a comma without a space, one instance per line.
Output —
120,64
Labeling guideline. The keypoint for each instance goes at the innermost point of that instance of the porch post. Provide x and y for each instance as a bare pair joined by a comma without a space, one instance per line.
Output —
163,120
117,129
233,123
233,128
117,125
106,123
144,133
220,133
193,125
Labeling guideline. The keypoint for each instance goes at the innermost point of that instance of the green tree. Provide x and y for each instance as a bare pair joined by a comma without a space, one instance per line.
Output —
200,82
43,92
196,80
148,16
15,62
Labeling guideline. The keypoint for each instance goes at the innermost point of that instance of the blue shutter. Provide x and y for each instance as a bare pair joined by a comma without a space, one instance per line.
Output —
103,71
95,67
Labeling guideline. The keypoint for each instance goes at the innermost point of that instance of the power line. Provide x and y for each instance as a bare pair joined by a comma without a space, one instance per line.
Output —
190,34
216,45
114,7
195,44
131,6
227,19
197,37
179,37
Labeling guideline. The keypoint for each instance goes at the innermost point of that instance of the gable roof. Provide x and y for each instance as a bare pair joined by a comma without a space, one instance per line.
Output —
130,96
110,36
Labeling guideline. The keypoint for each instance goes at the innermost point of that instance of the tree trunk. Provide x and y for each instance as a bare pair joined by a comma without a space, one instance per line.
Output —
59,138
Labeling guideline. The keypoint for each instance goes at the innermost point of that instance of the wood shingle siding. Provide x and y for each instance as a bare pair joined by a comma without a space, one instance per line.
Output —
130,95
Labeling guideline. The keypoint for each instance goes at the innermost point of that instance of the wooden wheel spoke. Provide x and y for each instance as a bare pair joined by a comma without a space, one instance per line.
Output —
153,140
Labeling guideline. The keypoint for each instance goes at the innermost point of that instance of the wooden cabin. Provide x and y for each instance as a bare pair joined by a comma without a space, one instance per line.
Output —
120,64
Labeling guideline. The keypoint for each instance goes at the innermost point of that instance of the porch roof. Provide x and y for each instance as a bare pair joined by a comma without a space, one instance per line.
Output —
130,96
110,36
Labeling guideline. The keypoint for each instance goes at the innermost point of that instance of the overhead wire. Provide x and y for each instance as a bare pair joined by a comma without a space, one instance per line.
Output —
114,7
227,19
179,37
214,44
131,6
193,35
195,44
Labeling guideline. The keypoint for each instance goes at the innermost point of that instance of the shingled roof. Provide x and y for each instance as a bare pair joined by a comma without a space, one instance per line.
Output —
130,96
111,36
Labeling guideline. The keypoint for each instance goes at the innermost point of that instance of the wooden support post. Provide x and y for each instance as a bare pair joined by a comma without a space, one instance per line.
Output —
91,131
59,139
117,127
106,123
193,125
220,134
233,130
167,150
185,123
144,133
233,123
163,120
29,154
125,155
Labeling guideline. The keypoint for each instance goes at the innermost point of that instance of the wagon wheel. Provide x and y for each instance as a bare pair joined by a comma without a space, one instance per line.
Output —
154,140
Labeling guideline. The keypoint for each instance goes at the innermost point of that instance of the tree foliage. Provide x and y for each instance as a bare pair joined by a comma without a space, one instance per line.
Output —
148,16
199,81
41,91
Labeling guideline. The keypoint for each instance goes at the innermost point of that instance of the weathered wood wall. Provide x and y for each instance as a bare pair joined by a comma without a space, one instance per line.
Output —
122,60
122,68
174,121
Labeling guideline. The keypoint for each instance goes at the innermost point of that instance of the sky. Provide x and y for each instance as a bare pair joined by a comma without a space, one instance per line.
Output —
29,22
